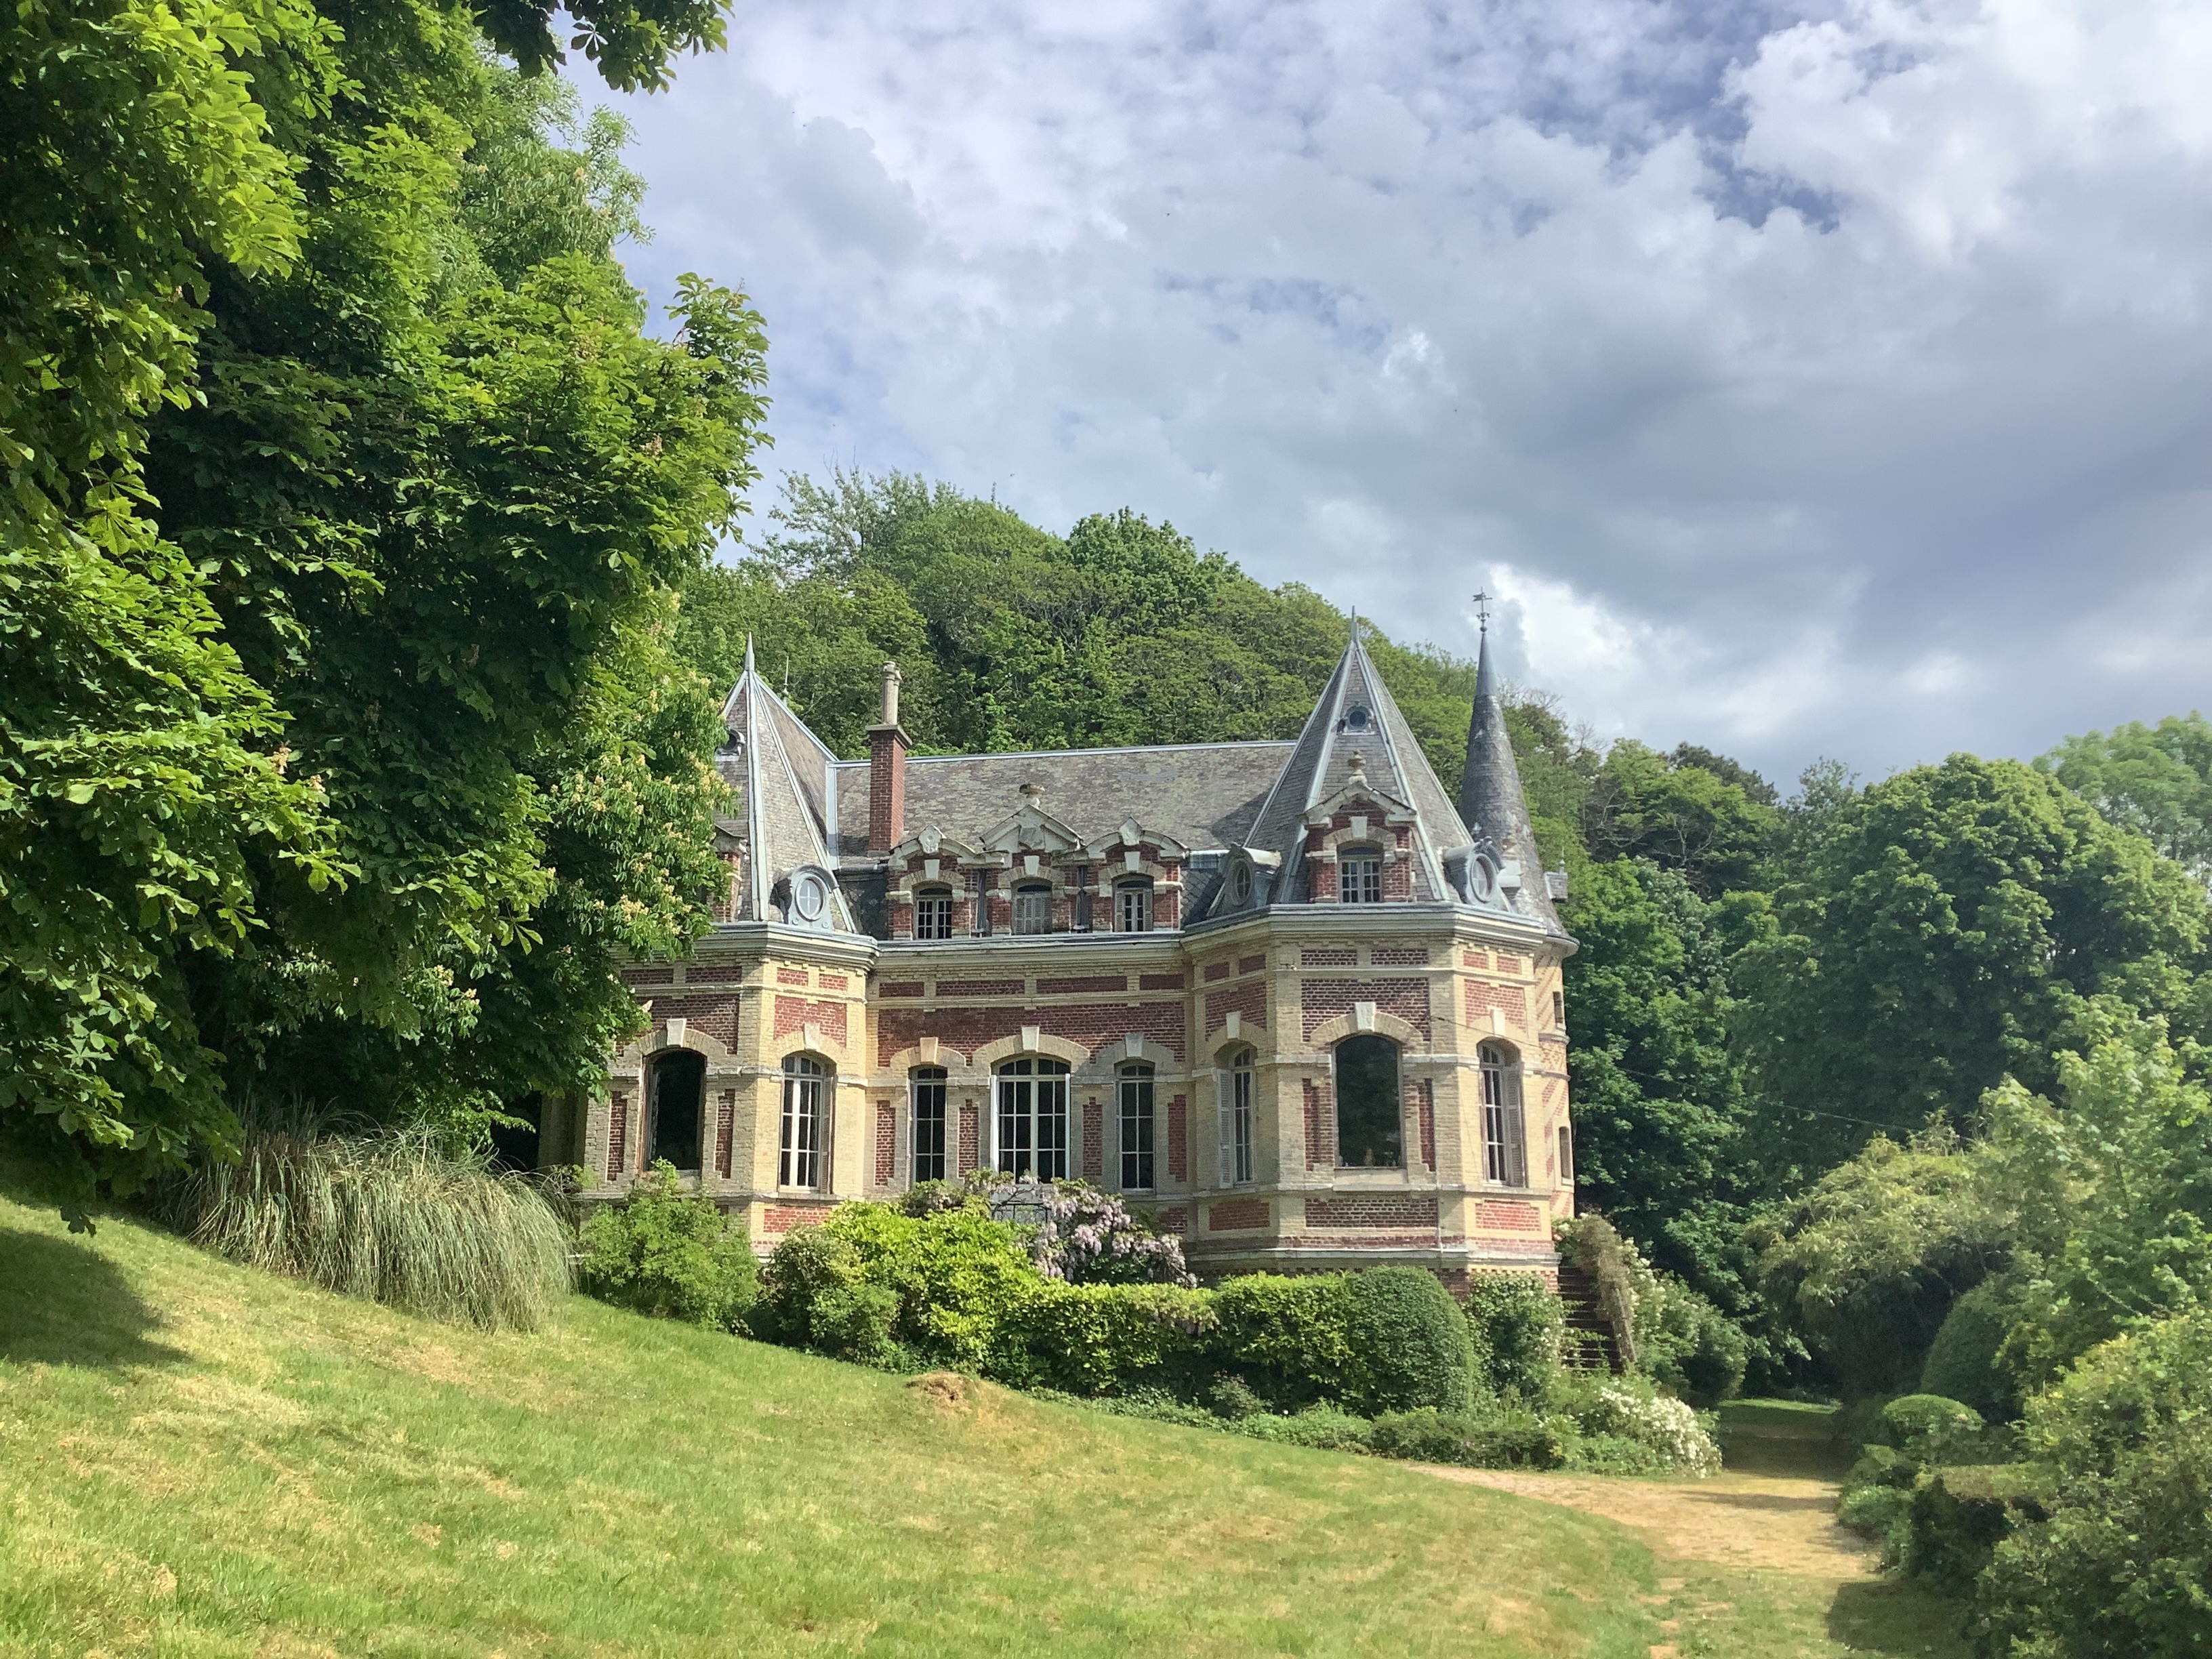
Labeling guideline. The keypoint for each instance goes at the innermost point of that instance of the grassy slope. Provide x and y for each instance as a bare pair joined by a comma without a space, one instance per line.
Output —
199,1459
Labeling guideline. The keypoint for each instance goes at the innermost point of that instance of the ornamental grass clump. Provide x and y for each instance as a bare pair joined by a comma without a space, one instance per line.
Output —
391,1217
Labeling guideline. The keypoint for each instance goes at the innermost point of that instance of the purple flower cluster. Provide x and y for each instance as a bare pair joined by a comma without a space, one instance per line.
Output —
1089,1237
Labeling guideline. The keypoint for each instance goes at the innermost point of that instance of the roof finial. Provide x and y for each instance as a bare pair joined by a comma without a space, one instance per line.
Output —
1355,624
748,656
1482,611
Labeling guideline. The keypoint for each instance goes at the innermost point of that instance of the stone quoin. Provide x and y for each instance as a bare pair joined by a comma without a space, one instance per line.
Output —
1290,995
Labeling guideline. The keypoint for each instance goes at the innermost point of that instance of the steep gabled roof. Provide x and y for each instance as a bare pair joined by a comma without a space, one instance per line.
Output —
786,778
1358,718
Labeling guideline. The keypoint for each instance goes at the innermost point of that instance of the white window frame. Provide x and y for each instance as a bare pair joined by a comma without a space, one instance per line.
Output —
1135,1093
1359,876
931,1078
1039,896
1504,1124
803,1148
1233,1090
1027,1096
935,904
1133,907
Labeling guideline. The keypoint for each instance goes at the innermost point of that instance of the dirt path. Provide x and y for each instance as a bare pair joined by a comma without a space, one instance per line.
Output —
1772,1509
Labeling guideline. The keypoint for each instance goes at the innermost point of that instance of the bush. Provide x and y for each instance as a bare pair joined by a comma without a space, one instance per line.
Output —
2120,1566
662,1252
1930,1429
390,1216
1409,1343
1518,1323
1510,1440
817,1294
1954,1518
1288,1338
955,1276
1102,1338
1881,1513
1318,1428
1962,1363
1232,1397
1689,1345
1669,1431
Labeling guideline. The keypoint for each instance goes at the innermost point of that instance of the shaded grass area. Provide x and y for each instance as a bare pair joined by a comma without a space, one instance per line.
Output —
196,1459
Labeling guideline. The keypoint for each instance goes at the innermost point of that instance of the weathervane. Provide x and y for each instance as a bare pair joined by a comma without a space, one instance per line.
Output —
1482,611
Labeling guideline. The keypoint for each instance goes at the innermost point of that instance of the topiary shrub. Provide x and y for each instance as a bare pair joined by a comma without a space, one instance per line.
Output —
1102,1338
1518,1323
1929,1429
1409,1344
1962,1362
670,1255
1955,1517
1288,1338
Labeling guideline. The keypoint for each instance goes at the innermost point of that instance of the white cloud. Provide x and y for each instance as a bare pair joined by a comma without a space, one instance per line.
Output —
1803,376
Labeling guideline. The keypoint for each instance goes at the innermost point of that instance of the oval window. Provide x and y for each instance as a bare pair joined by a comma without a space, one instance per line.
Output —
809,896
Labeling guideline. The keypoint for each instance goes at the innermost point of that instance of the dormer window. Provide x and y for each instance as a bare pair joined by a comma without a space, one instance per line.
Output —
1359,876
1033,909
933,913
1355,719
1133,907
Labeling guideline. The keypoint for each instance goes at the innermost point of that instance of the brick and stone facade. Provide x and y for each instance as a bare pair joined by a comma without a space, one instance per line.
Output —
902,930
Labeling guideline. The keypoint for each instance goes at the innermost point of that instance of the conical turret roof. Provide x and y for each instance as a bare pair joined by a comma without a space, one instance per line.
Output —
1491,802
786,779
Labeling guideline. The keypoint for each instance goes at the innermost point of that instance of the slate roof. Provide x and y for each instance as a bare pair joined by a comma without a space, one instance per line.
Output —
781,772
1491,800
1204,794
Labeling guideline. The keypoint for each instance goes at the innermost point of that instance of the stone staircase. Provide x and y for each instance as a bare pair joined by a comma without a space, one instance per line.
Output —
1591,1342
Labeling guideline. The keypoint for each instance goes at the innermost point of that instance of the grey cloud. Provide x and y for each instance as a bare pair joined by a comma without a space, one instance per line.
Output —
1808,380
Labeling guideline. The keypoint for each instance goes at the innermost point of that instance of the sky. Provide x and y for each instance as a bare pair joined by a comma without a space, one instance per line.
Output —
1801,381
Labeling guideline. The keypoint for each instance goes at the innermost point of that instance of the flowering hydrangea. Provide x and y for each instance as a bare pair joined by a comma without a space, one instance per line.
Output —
1667,1426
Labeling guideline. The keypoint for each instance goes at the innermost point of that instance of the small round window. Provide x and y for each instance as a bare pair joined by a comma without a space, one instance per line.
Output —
1355,718
809,896
1239,885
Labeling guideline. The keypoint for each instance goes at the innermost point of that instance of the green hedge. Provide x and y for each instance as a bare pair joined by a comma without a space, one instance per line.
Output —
1105,1338
1518,1325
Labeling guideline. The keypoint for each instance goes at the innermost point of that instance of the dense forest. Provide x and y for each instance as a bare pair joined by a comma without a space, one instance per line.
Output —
371,563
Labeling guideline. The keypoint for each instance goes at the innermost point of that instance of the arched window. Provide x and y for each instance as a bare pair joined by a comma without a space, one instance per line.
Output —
926,1084
1505,1132
1134,1088
1030,1119
1033,909
1133,907
1233,1103
933,913
804,1158
1370,1117
1359,875
675,1108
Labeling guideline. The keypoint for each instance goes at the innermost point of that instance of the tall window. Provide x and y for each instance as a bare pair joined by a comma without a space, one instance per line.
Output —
676,1101
1033,909
1504,1134
933,914
1359,876
1136,1111
1370,1117
927,1085
1032,1118
1566,1156
805,1122
1233,1099
1133,907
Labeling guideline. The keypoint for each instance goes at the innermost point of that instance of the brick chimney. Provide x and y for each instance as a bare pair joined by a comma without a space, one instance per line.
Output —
887,747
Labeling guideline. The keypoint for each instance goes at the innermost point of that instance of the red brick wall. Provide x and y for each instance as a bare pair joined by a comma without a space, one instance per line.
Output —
1094,1140
1250,1000
1329,958
648,976
1174,1219
1159,981
971,1152
1215,970
1508,1216
1055,988
980,988
1250,964
792,1012
1400,955
1372,1210
617,1134
1510,964
1427,1094
1324,1000
904,987
886,788
1321,1126
715,1015
1507,999
1236,1215
1178,1139
969,1029
1475,959
782,1217
830,982
791,976
726,1124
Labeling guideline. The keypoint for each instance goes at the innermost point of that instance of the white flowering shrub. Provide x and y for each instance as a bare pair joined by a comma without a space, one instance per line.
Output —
1669,1428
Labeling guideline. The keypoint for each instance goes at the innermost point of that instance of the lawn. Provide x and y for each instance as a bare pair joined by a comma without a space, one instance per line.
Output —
196,1459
